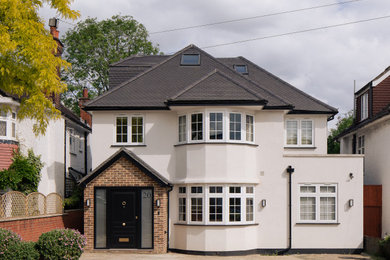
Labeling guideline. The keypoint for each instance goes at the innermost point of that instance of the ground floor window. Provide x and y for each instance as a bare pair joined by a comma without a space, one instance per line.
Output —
318,203
216,204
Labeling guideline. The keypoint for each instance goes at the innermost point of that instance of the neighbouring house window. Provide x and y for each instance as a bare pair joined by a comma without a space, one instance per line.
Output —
7,125
249,128
318,203
235,126
182,128
364,106
135,130
217,204
216,126
197,126
121,129
299,132
81,141
243,69
361,144
190,59
72,141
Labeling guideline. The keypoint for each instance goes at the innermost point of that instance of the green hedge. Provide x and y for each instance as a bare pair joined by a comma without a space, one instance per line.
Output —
61,244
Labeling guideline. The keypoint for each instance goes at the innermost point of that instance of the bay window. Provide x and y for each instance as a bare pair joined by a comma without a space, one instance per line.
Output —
318,203
210,126
216,204
135,130
299,132
7,125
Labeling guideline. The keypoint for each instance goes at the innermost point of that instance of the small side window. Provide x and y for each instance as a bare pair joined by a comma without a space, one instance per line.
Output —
190,59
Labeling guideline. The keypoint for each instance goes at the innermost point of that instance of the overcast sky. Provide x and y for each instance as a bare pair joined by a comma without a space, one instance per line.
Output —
323,63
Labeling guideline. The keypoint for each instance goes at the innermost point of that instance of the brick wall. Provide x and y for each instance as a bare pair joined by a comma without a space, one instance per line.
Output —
6,154
30,229
124,173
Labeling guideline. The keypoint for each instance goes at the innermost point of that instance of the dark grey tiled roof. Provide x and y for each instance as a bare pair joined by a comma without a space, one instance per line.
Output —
158,79
292,95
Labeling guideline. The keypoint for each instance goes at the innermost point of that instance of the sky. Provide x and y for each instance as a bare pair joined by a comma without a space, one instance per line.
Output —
323,63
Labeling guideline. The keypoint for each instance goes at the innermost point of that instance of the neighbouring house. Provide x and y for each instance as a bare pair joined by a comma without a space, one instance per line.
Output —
205,155
64,148
370,135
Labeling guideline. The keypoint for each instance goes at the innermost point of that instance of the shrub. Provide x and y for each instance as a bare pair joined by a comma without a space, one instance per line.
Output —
23,250
61,244
8,240
384,245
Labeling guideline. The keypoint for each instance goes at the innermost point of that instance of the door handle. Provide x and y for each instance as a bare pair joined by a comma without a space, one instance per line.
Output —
123,224
136,217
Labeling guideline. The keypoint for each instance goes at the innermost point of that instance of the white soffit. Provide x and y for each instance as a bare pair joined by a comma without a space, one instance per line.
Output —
378,80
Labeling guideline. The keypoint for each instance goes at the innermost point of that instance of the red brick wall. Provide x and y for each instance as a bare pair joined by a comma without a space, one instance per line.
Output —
124,173
6,153
381,96
30,229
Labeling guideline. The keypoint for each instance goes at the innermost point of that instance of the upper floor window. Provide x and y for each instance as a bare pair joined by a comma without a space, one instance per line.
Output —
135,130
318,203
190,59
364,106
216,127
243,69
361,144
8,125
299,132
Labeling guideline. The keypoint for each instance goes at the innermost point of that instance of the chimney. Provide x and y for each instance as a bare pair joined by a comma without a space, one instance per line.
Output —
84,115
53,23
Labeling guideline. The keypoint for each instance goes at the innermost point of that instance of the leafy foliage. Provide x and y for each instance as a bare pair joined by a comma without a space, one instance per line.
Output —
75,201
22,250
8,240
61,244
343,123
92,46
28,66
24,173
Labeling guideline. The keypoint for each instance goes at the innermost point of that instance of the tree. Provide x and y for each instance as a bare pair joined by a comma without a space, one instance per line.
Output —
28,66
343,123
91,46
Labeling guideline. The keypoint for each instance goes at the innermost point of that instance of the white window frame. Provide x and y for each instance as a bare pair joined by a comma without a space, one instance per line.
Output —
317,195
208,130
253,128
190,127
242,126
7,117
182,196
185,128
129,129
299,132
361,144
225,195
364,106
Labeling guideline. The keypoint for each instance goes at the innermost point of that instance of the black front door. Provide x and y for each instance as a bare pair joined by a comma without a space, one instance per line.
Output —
124,218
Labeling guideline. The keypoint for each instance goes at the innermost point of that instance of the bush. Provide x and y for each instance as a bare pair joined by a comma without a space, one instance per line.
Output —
61,244
8,240
23,250
384,245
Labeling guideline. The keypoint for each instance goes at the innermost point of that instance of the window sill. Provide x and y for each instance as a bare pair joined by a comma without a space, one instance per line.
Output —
5,140
236,143
217,225
128,145
317,223
300,147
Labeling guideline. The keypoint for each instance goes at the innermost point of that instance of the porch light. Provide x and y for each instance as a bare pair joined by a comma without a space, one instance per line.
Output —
158,203
88,203
350,203
263,203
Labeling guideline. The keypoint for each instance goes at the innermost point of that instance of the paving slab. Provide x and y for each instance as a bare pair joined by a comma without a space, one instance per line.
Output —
173,256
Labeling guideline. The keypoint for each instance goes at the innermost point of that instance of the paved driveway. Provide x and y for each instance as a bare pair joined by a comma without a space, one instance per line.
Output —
169,256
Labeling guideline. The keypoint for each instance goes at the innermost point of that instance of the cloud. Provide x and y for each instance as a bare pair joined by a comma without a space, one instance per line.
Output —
322,63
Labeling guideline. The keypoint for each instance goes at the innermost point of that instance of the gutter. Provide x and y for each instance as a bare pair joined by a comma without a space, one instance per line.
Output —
290,171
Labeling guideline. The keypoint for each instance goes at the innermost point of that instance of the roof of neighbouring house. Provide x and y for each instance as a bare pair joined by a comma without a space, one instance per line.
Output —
129,155
158,82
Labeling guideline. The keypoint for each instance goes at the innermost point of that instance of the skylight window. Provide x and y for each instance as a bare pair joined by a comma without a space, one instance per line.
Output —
243,69
190,59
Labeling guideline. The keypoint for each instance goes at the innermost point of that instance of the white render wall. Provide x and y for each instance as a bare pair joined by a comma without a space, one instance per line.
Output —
263,165
51,148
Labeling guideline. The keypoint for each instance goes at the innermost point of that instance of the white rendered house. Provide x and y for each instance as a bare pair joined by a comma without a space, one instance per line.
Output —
221,157
370,135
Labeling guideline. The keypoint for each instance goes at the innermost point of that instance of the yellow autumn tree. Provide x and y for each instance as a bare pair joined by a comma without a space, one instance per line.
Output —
28,64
